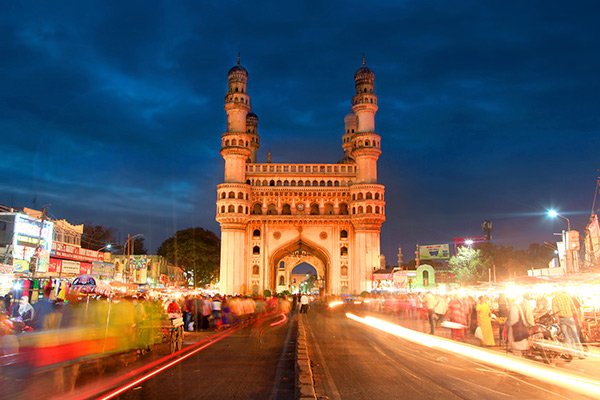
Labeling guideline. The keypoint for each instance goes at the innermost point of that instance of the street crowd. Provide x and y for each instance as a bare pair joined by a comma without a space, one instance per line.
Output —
58,335
487,320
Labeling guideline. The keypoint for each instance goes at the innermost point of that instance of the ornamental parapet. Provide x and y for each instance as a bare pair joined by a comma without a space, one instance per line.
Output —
345,170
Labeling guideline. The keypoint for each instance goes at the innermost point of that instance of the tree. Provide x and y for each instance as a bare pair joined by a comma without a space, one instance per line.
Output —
197,251
96,237
467,265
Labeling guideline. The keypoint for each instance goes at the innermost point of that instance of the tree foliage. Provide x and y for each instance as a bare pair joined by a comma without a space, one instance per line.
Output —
197,251
509,262
96,237
467,265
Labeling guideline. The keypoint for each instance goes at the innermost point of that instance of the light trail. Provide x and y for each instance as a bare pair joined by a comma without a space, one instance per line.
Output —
335,303
570,381
116,386
283,319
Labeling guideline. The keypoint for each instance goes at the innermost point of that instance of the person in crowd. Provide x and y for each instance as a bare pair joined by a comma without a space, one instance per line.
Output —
501,317
429,302
440,309
45,312
173,307
456,314
519,309
304,303
564,307
24,311
188,305
284,305
484,321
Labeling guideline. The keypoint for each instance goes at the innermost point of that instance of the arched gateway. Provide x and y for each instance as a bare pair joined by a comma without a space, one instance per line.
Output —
275,216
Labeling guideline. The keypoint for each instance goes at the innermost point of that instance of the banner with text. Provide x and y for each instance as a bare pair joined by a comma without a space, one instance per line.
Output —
434,252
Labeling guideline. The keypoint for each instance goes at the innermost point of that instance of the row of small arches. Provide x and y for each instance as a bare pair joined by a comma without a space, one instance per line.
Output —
367,143
232,195
235,142
286,209
343,234
314,210
293,182
367,196
362,100
240,100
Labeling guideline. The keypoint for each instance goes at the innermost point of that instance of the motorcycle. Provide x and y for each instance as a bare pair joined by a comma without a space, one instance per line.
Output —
547,340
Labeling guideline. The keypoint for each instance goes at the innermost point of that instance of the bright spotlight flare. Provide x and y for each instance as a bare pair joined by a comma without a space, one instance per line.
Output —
573,382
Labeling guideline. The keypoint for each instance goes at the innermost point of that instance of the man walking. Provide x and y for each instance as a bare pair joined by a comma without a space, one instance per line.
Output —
304,304
563,305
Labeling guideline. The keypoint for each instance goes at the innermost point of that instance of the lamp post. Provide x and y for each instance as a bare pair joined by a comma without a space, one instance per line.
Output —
128,251
568,254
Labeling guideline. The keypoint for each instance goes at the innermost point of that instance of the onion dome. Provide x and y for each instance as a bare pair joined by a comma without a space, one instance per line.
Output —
364,73
237,71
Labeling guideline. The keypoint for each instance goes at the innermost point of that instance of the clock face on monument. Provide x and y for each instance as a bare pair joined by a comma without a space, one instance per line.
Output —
300,207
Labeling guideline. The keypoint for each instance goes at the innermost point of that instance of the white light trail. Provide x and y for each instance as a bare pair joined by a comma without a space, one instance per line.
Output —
570,381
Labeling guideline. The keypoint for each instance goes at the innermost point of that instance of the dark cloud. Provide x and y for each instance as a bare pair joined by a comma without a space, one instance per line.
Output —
112,112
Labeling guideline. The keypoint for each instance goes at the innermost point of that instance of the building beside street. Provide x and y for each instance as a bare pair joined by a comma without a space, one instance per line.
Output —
276,216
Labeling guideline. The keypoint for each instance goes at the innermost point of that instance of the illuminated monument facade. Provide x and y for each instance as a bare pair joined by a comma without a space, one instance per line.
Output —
276,216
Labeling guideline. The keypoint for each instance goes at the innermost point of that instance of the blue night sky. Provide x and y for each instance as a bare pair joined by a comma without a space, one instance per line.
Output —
111,112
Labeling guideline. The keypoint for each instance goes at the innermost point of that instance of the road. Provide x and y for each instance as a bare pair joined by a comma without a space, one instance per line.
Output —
253,363
354,361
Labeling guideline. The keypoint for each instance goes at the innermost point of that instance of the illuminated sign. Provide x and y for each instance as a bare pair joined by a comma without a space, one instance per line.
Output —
31,239
434,252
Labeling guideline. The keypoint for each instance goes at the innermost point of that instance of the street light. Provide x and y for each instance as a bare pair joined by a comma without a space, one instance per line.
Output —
469,242
552,213
108,246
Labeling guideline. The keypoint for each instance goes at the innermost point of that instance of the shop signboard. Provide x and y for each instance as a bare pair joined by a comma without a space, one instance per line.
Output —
85,268
103,269
71,252
434,252
31,239
70,267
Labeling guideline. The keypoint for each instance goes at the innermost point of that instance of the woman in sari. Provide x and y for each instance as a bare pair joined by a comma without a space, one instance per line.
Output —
484,321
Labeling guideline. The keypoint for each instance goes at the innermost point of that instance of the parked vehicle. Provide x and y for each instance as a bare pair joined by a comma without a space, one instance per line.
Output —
547,341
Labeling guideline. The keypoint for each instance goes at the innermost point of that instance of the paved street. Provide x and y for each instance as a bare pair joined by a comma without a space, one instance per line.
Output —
352,361
254,363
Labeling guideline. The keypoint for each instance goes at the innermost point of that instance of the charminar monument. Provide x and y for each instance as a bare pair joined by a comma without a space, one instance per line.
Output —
276,216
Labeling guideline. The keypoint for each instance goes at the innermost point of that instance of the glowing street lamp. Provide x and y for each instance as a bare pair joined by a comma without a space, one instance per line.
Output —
469,242
552,213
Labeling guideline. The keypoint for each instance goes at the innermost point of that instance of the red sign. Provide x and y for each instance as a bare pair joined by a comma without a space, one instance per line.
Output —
55,265
85,268
70,252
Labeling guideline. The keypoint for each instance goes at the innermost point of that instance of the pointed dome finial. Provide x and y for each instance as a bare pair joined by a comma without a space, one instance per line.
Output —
238,58
364,60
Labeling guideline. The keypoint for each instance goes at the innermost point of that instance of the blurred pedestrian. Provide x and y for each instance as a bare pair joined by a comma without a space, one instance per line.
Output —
484,321
429,302
304,304
564,307
519,309
456,314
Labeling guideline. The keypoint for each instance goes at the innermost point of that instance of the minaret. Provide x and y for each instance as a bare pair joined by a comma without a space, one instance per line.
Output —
252,130
365,143
238,147
367,196
349,131
235,143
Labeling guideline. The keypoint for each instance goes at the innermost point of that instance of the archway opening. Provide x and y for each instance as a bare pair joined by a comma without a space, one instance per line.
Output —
304,279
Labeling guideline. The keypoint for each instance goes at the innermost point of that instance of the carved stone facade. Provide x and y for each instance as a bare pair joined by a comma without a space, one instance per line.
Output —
276,216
